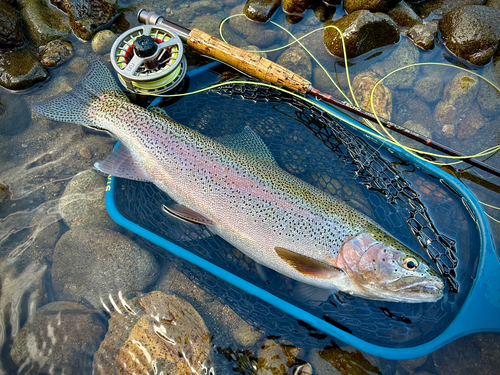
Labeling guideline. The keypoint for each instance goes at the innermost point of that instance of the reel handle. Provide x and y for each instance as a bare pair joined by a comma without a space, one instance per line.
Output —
247,62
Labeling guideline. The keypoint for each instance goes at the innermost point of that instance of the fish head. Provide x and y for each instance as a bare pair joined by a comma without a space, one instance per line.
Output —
382,268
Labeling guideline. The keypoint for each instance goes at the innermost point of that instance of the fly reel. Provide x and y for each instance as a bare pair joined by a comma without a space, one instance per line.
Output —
149,59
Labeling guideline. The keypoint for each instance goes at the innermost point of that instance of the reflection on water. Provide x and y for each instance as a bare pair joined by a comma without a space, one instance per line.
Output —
39,157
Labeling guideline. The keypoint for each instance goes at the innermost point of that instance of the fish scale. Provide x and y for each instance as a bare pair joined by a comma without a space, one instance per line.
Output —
234,184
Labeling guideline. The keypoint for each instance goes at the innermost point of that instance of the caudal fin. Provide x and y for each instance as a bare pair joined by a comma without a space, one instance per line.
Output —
72,106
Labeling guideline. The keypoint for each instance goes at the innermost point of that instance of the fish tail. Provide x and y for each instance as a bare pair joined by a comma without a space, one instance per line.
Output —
73,106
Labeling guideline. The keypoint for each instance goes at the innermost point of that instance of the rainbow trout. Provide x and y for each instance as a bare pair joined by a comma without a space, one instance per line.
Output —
234,187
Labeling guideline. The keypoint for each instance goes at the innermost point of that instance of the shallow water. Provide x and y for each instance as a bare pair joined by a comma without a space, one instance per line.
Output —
42,156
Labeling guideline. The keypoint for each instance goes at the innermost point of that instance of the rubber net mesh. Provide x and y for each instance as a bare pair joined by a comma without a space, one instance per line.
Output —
420,210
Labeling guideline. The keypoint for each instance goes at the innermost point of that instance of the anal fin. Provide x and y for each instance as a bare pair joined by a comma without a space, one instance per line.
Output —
121,163
308,266
185,214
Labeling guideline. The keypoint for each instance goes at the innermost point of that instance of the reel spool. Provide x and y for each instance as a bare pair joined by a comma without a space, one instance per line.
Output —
149,58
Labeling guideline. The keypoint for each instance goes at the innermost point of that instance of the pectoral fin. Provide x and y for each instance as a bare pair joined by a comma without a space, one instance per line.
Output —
121,163
308,266
182,212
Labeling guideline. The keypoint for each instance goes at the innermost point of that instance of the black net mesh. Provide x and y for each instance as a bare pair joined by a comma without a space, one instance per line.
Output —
418,209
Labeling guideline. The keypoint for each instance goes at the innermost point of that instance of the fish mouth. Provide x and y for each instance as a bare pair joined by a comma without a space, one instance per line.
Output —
418,285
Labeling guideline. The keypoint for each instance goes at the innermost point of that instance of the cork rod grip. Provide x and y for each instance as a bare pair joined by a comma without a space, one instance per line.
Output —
247,62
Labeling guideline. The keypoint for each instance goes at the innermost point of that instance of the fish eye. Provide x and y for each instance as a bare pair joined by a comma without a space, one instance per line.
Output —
410,263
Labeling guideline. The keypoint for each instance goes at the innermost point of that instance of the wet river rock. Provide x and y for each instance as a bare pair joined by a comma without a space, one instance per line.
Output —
439,8
296,60
93,264
423,35
155,333
260,10
363,85
103,41
60,338
429,88
82,203
404,15
43,23
458,97
363,31
56,53
372,5
86,15
472,33
296,7
20,70
10,26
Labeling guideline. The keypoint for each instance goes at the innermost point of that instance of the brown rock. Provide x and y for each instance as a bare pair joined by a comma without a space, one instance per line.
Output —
363,85
471,124
423,35
155,332
363,31
10,26
56,52
85,153
472,33
372,5
403,15
260,10
296,60
296,7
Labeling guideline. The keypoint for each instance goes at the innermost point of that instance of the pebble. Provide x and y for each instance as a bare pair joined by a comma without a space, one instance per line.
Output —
423,35
363,85
85,153
261,10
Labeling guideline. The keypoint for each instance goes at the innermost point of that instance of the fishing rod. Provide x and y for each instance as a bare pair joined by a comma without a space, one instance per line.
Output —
268,71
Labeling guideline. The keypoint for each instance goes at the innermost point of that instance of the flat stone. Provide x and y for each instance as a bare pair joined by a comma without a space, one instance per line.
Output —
155,333
471,33
60,338
363,31
102,263
10,26
20,70
43,23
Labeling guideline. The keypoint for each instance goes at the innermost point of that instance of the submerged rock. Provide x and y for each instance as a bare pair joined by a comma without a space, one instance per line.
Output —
260,10
10,26
56,53
363,31
82,203
60,338
43,23
5,193
429,88
458,96
103,41
255,33
471,33
423,35
274,358
103,263
15,119
155,333
404,55
489,99
472,124
20,70
407,106
422,129
363,85
372,5
404,15
296,60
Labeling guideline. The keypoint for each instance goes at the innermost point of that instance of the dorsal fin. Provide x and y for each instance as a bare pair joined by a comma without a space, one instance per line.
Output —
121,163
308,266
248,142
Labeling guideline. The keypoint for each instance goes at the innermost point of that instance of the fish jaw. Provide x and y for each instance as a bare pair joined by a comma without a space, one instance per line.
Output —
388,272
